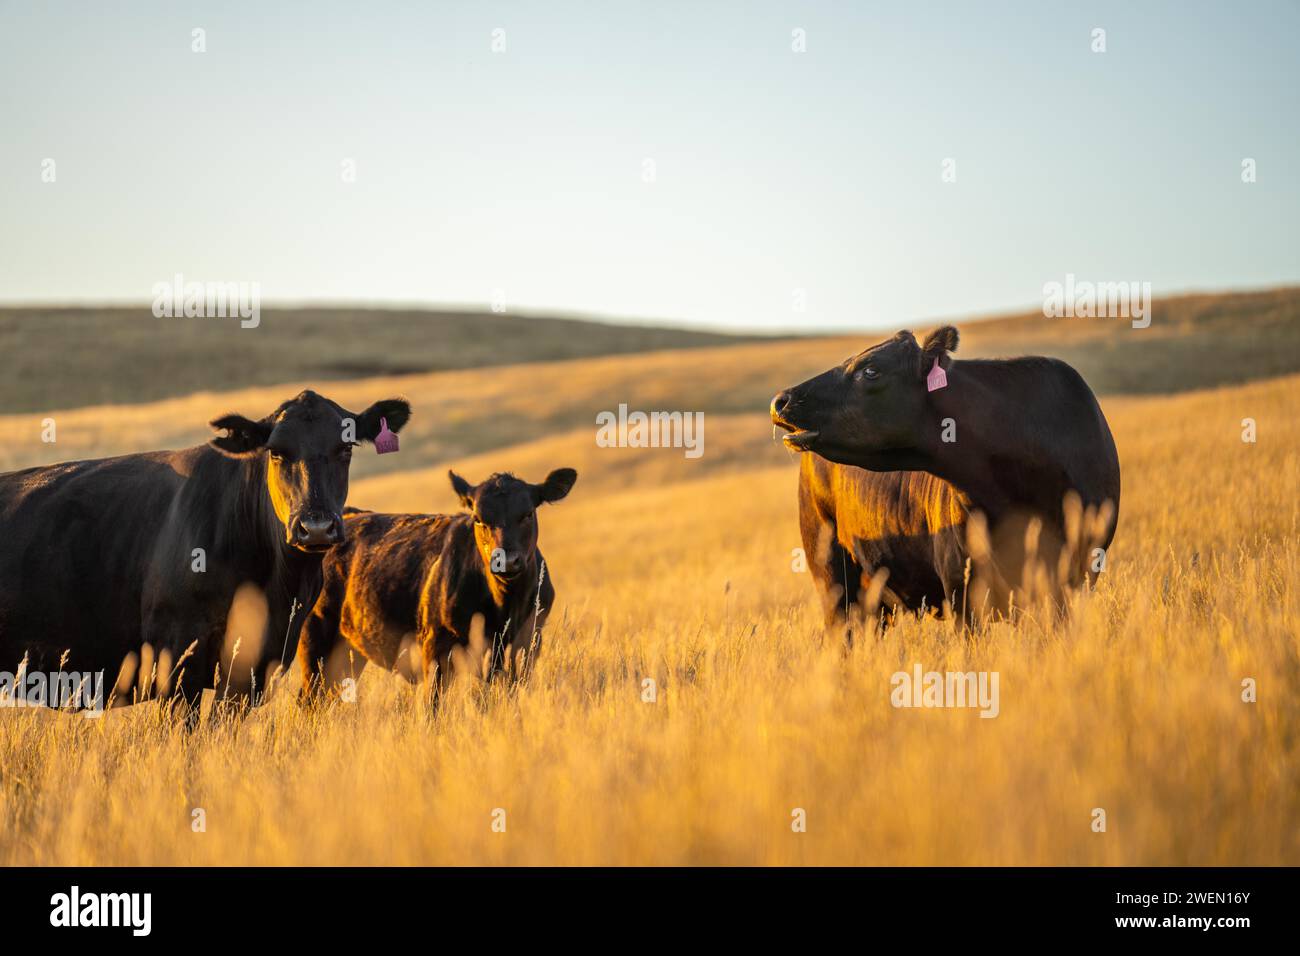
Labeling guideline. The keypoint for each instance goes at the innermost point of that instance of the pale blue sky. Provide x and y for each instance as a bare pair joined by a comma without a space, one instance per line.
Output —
522,171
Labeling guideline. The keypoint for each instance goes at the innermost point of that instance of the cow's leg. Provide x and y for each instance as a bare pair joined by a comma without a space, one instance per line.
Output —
186,651
952,564
501,646
511,651
338,667
435,649
818,536
527,646
890,606
851,580
836,573
315,646
840,579
192,676
282,634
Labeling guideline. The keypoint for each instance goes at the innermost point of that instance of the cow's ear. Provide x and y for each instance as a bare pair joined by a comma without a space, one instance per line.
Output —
555,487
464,490
393,412
937,346
243,436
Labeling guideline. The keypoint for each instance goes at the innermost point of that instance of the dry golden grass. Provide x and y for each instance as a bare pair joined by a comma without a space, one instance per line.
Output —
681,572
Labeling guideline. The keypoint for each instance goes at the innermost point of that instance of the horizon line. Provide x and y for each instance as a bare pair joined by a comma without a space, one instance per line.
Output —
571,315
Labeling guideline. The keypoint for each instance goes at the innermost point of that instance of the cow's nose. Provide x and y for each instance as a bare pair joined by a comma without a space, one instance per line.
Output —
514,563
317,531
780,403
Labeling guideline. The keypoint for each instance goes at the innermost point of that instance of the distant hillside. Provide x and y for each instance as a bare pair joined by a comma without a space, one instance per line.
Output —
1193,343
67,358
71,357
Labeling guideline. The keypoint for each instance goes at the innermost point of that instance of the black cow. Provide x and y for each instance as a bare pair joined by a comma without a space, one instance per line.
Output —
898,462
411,584
98,558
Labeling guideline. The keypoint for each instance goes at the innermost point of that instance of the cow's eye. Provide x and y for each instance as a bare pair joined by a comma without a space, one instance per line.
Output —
866,372
526,518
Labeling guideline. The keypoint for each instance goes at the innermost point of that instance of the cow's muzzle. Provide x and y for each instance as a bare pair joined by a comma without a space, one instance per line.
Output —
797,437
514,565
316,531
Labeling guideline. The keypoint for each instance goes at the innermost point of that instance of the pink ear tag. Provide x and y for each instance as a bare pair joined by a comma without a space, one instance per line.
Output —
937,378
385,441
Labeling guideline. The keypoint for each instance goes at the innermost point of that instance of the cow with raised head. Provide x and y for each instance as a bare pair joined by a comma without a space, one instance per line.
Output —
101,558
408,592
920,471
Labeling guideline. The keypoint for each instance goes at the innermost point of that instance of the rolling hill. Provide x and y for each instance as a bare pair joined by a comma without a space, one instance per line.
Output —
65,358
1193,343
58,358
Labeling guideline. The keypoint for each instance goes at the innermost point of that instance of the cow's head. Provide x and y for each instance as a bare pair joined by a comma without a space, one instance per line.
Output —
505,517
871,410
307,446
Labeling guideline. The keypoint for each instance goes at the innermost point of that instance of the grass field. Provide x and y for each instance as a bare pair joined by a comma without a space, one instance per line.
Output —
681,572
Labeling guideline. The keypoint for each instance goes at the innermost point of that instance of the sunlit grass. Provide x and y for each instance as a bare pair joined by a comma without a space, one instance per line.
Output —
1132,704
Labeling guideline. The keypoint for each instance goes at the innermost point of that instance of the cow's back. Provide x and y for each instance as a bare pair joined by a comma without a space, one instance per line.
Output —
75,539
